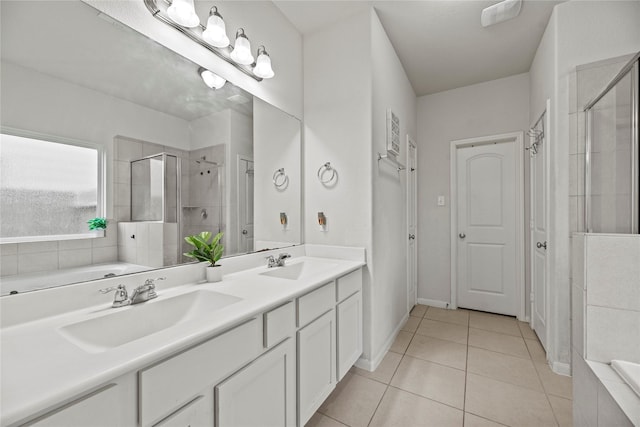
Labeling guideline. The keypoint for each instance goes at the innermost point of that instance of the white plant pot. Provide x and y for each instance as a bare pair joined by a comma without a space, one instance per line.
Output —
214,274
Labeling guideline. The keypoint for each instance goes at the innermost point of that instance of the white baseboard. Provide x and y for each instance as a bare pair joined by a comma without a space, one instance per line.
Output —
434,303
372,364
561,368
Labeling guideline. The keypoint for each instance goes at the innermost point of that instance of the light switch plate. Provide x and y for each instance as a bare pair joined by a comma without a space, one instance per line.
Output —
440,200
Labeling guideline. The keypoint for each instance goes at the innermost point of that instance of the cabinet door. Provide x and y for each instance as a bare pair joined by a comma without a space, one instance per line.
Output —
349,322
262,394
197,413
316,364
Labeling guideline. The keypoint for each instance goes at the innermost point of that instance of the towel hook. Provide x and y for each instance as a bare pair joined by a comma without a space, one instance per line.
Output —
323,170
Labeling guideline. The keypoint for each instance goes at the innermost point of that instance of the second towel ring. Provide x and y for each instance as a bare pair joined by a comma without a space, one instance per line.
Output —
280,178
323,170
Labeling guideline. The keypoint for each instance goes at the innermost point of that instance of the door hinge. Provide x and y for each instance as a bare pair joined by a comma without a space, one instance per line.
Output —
532,296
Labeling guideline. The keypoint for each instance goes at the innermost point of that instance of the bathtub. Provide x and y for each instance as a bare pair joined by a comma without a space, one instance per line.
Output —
53,278
629,372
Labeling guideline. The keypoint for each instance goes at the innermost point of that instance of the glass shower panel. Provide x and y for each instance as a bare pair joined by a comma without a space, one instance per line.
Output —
154,189
612,180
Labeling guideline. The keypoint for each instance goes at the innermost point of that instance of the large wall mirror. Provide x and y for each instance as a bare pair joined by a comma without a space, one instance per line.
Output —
165,156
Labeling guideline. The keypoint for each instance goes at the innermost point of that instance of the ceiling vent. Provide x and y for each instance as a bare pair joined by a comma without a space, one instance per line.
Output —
500,12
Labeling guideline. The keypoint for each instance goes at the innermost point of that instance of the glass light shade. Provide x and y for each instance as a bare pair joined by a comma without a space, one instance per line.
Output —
216,32
211,79
241,52
263,66
183,12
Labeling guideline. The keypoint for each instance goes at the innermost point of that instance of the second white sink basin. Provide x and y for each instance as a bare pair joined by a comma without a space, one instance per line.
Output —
130,323
300,270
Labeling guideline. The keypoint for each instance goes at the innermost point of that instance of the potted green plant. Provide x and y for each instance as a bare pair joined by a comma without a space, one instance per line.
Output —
97,223
207,249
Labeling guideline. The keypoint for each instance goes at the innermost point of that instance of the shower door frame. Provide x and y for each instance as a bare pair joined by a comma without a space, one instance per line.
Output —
632,67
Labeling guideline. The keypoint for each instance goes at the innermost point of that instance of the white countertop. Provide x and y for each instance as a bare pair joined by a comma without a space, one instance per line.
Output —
41,368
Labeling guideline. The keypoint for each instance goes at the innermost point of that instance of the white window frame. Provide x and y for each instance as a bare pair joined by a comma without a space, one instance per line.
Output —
101,193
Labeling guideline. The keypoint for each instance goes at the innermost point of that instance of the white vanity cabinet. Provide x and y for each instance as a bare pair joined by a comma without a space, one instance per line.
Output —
112,405
316,349
348,321
263,394
165,388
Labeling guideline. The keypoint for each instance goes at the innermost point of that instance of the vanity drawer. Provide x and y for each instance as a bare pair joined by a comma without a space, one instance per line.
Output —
349,285
315,303
279,323
168,385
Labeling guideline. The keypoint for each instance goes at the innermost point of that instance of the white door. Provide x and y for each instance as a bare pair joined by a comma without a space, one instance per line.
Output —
245,204
487,253
539,181
349,333
412,250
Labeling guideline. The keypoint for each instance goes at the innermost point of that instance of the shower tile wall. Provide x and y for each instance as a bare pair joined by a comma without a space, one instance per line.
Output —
202,192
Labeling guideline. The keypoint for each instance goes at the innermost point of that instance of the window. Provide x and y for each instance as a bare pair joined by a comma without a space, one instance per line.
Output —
48,190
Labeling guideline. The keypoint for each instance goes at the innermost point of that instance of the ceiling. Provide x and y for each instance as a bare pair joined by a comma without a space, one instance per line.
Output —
87,48
440,43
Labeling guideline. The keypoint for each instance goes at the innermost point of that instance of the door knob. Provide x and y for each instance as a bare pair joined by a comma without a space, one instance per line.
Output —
462,235
245,232
541,245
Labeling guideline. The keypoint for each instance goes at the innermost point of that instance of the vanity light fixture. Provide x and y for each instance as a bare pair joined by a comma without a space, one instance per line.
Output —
263,64
211,79
181,16
183,12
241,52
216,32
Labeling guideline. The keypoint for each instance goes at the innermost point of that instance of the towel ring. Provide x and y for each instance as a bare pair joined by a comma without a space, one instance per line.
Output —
323,170
280,178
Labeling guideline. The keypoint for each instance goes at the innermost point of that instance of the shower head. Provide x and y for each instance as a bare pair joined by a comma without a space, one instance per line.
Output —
203,160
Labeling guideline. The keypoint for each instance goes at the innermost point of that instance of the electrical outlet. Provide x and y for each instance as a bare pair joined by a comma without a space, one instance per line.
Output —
440,200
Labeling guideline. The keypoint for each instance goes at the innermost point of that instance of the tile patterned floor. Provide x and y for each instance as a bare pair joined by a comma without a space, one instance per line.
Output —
454,368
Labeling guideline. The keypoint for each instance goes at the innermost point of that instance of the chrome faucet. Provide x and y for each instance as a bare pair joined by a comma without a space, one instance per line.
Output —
273,262
140,294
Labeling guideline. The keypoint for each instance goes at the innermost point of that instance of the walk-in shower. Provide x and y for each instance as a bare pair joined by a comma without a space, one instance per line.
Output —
202,197
612,182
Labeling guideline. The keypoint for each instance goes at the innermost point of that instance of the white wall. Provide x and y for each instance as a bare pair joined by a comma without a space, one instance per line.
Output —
337,129
578,33
347,93
489,108
391,89
277,144
264,25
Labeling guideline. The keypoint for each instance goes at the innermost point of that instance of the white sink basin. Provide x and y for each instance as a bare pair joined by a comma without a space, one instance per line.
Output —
123,325
300,270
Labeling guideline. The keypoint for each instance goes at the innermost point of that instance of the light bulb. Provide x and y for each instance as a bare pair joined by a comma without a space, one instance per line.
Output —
183,12
241,52
263,64
216,32
211,79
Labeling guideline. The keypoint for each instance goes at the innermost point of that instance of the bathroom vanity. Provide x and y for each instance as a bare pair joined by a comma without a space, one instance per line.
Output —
265,346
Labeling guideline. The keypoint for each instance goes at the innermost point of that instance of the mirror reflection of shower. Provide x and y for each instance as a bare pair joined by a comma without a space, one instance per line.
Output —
202,193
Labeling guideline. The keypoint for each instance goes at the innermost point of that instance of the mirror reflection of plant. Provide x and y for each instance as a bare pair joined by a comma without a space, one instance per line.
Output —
204,250
97,223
